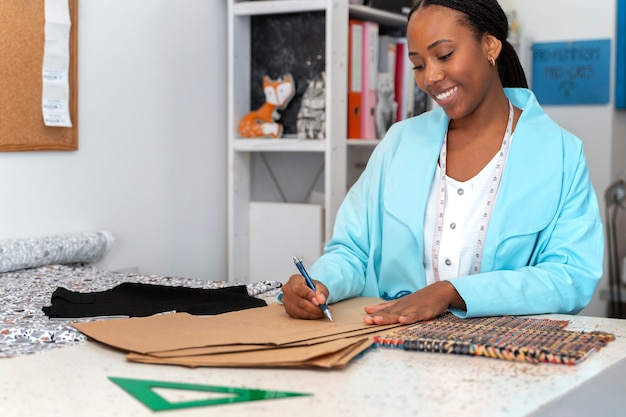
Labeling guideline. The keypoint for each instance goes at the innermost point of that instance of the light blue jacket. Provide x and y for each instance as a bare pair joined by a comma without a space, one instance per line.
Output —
544,247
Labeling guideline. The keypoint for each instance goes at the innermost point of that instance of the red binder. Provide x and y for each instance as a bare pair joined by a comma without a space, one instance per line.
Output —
355,77
402,74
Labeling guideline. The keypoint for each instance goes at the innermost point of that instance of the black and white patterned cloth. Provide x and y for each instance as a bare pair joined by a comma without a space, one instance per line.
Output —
31,269
87,247
25,329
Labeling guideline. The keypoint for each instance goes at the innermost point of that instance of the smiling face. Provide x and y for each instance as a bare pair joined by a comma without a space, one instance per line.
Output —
451,62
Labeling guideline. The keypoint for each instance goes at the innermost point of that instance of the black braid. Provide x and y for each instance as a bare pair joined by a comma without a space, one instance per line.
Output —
486,16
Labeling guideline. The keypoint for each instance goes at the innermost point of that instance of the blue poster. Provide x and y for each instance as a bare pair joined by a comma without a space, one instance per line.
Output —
569,73
620,67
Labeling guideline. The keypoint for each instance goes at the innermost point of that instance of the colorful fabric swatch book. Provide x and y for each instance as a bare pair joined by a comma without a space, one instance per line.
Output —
511,338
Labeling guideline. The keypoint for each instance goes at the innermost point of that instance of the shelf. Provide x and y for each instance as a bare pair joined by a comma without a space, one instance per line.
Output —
363,142
279,145
381,16
249,8
262,7
265,169
294,145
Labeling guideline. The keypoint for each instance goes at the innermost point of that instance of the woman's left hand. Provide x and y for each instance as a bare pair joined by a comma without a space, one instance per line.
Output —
425,304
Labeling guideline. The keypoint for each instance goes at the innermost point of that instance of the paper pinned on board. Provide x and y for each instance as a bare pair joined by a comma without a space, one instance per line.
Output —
56,64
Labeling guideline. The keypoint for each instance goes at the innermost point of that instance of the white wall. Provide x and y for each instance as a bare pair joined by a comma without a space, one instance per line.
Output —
563,20
152,141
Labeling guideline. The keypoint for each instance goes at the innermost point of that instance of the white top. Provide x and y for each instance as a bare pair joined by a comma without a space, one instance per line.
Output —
444,202
465,201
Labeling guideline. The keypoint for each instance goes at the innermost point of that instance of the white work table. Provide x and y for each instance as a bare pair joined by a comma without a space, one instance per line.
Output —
74,381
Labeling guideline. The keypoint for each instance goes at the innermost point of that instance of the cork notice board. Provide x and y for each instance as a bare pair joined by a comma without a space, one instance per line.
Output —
21,59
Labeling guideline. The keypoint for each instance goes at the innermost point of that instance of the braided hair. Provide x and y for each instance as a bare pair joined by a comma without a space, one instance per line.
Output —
486,16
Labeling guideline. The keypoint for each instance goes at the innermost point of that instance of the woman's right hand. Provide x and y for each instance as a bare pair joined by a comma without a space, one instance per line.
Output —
300,301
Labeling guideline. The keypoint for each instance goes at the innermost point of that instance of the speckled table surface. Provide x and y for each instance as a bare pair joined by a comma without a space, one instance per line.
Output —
75,381
24,329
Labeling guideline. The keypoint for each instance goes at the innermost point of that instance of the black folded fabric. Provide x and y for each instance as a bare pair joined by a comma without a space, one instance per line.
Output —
140,300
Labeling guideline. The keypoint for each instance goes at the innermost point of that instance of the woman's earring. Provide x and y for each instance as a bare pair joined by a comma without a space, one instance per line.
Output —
492,61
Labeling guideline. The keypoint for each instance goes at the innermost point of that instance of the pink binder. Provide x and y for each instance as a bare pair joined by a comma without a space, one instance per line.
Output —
370,80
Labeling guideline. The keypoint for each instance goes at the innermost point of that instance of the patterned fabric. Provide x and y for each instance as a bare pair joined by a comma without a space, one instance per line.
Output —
86,247
24,329
504,337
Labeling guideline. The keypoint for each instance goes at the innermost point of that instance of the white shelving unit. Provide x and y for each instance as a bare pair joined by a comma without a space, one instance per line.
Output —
334,148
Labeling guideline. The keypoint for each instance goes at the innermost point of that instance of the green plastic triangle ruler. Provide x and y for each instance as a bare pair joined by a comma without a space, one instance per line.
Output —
144,391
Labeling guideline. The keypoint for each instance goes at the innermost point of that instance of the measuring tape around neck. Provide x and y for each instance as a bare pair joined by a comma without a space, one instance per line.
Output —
491,198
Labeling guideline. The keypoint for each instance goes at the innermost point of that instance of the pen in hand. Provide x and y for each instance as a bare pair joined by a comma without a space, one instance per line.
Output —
311,285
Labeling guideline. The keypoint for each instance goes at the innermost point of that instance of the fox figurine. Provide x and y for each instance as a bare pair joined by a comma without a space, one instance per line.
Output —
262,122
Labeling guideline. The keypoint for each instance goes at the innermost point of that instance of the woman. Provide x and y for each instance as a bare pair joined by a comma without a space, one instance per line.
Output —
482,206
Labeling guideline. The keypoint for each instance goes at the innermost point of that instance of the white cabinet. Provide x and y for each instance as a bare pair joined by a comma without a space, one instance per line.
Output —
248,157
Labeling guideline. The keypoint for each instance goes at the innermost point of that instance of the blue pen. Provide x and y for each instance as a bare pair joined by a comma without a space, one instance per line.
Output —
311,285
